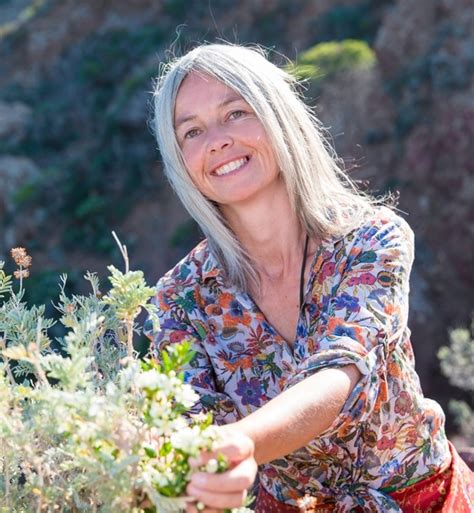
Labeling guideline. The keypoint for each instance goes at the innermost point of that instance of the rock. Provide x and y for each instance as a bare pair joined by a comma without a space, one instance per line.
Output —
14,121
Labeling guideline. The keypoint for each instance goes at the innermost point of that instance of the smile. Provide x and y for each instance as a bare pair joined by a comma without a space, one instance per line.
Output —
231,166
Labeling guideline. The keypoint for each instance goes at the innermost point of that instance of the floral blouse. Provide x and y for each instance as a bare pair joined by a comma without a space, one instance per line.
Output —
355,311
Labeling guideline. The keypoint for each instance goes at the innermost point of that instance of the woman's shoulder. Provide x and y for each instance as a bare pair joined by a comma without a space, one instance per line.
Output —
190,270
384,217
381,231
381,224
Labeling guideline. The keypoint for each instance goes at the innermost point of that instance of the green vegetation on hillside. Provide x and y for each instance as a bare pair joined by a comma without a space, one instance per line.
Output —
325,60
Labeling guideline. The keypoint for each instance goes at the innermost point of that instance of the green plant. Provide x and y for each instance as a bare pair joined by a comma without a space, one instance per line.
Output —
457,363
325,60
90,427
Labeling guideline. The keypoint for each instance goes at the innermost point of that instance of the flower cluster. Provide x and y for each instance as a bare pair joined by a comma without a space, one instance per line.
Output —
23,261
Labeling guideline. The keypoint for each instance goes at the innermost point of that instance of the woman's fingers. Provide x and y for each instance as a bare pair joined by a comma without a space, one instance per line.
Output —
238,478
234,446
227,489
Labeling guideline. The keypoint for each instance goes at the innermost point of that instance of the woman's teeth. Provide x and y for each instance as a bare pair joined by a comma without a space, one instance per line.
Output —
231,166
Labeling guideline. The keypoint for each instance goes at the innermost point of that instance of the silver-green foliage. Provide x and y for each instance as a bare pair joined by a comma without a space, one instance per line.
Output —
5,282
457,364
91,428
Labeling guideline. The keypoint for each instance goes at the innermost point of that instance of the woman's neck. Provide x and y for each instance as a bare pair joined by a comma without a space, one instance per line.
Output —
269,230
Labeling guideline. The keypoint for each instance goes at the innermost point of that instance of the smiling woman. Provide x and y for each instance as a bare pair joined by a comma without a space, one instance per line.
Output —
296,304
224,145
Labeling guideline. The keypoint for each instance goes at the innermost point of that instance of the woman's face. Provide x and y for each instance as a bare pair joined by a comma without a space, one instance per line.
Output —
224,145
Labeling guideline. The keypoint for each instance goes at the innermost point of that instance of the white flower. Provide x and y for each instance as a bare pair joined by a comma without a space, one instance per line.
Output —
164,426
188,439
179,424
209,437
152,476
186,396
152,380
212,466
160,410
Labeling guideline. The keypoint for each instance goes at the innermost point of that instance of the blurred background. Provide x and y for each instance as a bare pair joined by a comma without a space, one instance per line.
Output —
392,80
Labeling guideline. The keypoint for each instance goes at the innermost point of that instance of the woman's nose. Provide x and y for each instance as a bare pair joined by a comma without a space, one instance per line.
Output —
219,140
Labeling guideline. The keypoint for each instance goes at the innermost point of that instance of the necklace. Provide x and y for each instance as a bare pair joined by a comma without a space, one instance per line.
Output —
303,267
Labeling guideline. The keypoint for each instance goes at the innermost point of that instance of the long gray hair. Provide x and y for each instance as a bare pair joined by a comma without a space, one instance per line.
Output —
325,200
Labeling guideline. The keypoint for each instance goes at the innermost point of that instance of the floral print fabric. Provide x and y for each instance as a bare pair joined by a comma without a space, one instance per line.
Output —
355,312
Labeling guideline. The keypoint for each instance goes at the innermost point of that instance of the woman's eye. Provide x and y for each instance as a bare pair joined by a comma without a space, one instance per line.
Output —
191,133
236,114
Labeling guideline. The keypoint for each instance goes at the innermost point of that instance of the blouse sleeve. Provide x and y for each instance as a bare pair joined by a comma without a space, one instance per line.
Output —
363,317
176,326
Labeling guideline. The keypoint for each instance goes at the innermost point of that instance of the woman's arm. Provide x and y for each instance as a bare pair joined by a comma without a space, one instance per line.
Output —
293,418
283,425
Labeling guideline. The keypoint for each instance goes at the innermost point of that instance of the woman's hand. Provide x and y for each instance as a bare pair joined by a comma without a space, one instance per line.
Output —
228,489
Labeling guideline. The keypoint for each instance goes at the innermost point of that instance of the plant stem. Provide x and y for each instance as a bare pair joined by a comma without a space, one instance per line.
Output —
129,325
123,250
37,360
21,279
40,374
7,362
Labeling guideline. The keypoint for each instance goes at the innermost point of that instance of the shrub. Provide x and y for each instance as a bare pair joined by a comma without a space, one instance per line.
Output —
325,60
457,365
90,427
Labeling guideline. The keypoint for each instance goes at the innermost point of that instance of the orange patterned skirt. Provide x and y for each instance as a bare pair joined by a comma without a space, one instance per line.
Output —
449,491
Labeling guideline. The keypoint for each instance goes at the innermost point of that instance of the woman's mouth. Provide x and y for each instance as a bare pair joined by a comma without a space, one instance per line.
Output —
230,167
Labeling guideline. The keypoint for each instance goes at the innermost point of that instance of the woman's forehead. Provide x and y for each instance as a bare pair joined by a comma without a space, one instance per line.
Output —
199,91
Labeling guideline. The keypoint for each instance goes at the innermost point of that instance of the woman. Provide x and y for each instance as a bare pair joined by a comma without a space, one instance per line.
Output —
296,304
